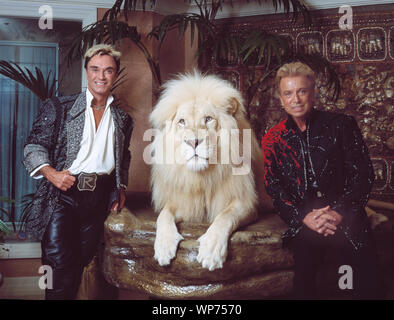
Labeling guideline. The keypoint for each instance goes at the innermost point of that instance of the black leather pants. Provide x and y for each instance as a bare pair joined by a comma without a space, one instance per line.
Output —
72,236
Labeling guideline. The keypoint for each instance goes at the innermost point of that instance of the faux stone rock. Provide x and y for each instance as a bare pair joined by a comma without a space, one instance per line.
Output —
256,267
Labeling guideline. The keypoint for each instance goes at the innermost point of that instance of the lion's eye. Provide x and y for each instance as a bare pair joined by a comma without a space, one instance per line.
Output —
181,122
208,119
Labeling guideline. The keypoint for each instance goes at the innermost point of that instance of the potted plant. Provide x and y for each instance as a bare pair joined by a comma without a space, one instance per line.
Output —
251,50
4,229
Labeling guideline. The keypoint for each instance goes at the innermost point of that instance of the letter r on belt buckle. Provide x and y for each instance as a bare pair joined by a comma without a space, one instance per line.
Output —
87,181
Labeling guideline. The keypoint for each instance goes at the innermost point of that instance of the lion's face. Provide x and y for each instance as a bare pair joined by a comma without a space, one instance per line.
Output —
196,122
193,125
197,128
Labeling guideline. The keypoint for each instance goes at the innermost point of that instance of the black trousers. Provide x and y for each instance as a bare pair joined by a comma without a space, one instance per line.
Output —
310,249
72,236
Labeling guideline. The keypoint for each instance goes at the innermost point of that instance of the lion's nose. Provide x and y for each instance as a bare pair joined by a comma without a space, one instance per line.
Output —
194,142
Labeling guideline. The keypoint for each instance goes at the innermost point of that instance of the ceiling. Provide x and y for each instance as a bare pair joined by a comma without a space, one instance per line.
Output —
239,8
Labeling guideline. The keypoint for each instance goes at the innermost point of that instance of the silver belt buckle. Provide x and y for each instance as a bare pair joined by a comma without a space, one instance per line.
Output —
87,181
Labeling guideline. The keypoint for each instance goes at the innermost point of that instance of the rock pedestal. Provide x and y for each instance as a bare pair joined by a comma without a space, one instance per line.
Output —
256,267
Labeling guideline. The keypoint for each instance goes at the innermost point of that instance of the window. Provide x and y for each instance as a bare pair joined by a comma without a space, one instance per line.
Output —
18,109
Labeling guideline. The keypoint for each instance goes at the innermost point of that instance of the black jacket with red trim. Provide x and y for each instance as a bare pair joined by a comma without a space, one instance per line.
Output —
340,160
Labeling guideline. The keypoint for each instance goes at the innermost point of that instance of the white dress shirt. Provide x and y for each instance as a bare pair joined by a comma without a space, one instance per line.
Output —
96,152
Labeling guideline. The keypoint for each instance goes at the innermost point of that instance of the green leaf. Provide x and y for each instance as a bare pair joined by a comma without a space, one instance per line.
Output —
4,228
111,31
261,52
7,200
35,83
268,56
129,5
120,79
5,212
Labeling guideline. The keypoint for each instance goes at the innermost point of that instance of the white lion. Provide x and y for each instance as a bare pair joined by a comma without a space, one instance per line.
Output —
199,172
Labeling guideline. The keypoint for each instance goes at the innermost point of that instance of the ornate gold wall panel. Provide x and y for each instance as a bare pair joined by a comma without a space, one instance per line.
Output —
364,60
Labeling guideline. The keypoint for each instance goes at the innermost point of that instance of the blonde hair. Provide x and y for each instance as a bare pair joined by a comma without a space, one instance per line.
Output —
294,69
103,49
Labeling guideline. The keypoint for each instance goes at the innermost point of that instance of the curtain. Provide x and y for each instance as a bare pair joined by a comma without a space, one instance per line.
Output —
18,109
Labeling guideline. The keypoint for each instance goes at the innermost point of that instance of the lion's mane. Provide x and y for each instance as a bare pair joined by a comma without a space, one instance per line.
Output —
201,195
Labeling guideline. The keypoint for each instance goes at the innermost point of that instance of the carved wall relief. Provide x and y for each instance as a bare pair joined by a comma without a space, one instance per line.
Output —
340,46
391,42
371,44
310,42
364,60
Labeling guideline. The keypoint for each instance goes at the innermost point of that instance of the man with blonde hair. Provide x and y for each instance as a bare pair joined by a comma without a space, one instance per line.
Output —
79,146
319,176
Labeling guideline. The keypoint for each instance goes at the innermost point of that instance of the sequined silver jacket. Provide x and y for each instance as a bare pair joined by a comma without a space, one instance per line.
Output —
340,161
55,139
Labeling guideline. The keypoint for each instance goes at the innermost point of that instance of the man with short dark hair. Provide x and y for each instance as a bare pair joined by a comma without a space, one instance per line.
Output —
79,145
319,176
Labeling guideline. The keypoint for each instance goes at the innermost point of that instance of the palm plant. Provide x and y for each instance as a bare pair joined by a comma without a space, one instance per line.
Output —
3,227
26,203
42,87
252,50
111,30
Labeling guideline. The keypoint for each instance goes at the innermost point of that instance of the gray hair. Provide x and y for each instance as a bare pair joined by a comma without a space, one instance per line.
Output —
294,69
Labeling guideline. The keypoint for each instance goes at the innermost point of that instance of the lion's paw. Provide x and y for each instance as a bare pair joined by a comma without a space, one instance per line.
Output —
213,250
165,247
